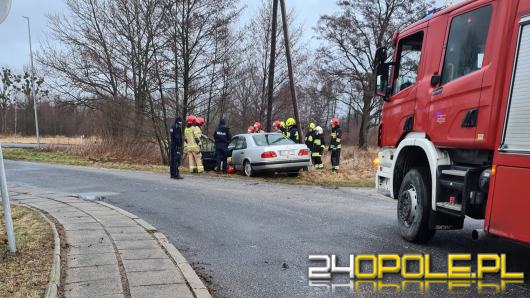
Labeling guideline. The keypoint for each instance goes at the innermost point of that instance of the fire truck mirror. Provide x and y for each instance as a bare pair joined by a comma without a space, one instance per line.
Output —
381,81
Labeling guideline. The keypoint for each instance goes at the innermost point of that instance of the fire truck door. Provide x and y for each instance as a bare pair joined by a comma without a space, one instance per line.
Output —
455,101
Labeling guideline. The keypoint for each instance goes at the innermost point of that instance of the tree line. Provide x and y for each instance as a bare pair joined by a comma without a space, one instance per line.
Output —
136,64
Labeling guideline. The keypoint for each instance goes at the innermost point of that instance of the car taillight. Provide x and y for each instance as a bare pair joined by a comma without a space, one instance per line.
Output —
303,152
268,154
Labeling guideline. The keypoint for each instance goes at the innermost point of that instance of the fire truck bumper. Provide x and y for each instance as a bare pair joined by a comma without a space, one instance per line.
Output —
383,177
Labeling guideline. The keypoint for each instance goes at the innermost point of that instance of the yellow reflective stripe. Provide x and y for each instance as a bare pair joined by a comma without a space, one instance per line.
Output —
338,140
333,134
310,138
316,154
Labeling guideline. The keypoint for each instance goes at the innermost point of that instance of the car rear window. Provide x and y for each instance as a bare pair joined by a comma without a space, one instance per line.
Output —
271,140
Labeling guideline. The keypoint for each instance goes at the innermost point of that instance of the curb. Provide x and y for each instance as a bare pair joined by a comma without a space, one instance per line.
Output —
52,291
194,282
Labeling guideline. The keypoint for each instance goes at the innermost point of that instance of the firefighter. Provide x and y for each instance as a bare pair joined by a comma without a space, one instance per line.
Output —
292,130
192,145
310,138
197,130
251,129
318,146
222,139
277,124
280,127
257,128
174,150
335,144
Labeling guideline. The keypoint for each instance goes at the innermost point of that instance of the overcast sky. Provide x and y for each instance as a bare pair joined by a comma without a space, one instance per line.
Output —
14,48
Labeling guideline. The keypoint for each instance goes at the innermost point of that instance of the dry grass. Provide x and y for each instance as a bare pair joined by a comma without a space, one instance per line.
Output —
59,157
356,169
127,151
26,273
56,140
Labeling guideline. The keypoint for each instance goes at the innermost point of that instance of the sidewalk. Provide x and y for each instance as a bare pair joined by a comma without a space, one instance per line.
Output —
112,253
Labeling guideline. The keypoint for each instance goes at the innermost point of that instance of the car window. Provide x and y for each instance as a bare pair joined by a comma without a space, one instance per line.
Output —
233,143
466,44
241,143
271,139
409,54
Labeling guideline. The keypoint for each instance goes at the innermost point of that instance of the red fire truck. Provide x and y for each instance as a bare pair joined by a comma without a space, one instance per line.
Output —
455,130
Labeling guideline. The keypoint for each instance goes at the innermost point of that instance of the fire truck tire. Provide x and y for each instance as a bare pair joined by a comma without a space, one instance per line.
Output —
414,205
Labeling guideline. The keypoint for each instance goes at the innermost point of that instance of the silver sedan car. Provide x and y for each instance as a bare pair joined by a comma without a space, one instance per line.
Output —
268,152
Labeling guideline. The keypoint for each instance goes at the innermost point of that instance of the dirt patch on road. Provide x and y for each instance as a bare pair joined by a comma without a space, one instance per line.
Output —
26,273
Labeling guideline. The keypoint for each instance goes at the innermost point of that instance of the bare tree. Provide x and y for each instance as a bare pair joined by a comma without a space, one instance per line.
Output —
351,38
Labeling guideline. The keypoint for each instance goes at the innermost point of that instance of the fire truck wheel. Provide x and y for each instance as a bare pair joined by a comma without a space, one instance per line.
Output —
414,205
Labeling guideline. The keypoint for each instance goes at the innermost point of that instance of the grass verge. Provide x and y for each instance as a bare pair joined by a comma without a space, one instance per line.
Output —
63,158
354,177
27,272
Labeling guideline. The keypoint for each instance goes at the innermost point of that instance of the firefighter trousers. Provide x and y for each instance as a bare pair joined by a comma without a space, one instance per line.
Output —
335,159
316,158
195,162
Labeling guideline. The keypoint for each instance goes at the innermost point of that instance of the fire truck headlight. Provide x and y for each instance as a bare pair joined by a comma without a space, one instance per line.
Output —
484,180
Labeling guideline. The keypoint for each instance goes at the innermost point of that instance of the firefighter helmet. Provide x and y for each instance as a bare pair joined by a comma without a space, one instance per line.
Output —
277,124
290,122
257,126
335,122
191,119
319,130
282,124
312,126
251,129
200,121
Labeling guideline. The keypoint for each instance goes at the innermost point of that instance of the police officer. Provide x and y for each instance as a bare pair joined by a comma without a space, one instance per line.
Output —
174,150
310,138
222,139
335,144
292,130
318,147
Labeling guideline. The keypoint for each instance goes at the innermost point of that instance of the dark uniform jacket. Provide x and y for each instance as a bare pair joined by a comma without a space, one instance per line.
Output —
222,136
336,135
310,139
176,135
292,133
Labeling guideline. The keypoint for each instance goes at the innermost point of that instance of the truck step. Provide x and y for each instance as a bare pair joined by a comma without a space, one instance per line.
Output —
449,206
453,172
452,184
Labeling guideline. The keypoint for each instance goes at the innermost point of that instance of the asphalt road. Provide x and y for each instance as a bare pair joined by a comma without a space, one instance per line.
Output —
247,238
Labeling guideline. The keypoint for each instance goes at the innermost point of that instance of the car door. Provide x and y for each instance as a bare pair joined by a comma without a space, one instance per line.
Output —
455,100
238,154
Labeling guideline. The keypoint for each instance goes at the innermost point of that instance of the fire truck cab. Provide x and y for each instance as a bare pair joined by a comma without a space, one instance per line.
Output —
455,129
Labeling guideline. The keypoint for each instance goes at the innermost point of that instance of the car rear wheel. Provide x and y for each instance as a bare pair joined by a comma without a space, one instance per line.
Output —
247,169
414,206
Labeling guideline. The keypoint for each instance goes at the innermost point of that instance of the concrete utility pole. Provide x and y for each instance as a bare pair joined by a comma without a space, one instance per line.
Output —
5,6
33,95
290,69
272,64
